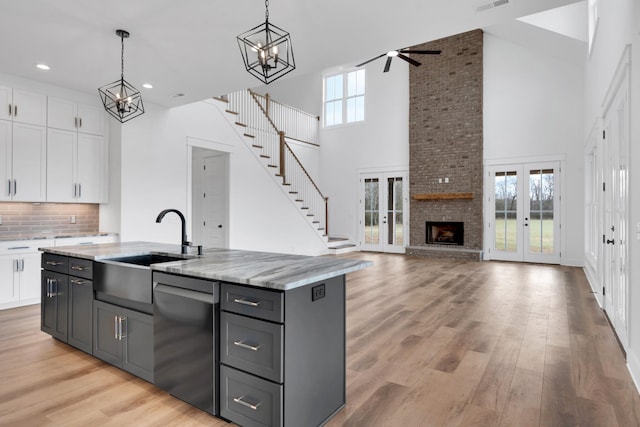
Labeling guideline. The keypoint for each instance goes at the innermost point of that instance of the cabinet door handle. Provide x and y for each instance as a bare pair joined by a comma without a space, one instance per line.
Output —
79,190
242,344
247,302
122,320
16,265
240,401
80,121
10,111
9,187
48,288
15,111
22,264
15,187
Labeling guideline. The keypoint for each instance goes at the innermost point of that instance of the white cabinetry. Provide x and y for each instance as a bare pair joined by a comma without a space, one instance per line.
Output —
76,153
23,145
75,167
23,164
21,106
20,272
67,115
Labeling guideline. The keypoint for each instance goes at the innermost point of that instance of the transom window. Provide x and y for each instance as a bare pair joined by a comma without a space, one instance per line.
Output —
344,98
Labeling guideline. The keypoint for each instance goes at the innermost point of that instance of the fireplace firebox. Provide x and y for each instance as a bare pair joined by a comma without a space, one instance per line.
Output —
445,233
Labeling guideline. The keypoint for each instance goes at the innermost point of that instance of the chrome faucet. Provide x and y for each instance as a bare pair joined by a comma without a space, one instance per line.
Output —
184,243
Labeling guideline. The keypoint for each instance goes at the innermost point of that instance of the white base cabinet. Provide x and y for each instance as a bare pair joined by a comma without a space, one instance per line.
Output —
20,272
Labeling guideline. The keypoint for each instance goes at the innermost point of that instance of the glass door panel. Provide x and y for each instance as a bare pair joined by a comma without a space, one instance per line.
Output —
506,211
371,219
541,218
382,218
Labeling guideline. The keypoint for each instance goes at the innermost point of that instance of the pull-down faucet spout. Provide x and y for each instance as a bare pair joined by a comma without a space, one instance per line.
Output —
184,243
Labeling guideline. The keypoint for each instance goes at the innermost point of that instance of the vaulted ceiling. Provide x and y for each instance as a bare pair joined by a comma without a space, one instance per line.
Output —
188,47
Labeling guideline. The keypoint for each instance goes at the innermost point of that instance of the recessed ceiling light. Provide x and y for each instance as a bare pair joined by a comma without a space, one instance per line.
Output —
147,85
43,67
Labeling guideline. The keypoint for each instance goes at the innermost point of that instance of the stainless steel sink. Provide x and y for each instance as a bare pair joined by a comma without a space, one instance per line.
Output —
148,259
128,279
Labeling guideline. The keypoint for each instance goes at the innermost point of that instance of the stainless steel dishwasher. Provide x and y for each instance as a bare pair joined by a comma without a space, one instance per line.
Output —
185,333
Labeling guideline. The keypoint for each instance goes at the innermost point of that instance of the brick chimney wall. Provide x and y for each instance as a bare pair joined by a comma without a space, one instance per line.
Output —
445,141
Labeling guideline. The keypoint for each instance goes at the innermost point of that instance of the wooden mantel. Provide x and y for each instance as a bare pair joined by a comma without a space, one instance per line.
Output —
443,196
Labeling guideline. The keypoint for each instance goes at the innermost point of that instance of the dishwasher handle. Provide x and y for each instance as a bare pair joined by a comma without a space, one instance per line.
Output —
184,293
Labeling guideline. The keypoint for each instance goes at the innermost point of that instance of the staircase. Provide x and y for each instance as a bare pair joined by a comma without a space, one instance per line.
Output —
266,126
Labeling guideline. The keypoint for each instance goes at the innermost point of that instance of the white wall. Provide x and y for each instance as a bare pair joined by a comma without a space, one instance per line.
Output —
533,109
619,26
154,159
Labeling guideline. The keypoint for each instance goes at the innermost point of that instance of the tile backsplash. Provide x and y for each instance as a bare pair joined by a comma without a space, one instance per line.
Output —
22,220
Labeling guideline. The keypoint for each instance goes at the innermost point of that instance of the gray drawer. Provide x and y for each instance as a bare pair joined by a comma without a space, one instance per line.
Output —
252,345
249,401
57,263
253,302
81,268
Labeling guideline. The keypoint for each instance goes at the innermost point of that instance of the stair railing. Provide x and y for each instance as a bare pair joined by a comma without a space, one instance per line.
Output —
295,123
275,148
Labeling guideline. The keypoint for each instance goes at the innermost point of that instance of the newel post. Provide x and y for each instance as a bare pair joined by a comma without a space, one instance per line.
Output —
326,215
281,133
267,99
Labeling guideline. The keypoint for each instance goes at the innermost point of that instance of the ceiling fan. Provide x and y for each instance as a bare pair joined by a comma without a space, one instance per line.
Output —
400,53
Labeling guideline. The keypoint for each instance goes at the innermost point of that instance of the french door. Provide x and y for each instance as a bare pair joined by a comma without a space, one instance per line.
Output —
524,224
615,203
383,218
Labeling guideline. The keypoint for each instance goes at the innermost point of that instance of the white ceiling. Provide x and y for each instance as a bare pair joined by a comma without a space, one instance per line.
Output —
189,46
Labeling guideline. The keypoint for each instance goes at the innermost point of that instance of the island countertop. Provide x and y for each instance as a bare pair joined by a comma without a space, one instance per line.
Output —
260,269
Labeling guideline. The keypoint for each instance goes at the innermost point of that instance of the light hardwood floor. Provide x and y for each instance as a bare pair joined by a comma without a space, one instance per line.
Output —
429,343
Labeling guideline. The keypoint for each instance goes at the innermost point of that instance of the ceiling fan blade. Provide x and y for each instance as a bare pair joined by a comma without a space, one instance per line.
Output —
409,60
422,52
372,59
388,64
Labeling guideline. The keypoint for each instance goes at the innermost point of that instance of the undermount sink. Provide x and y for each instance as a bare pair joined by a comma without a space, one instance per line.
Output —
148,259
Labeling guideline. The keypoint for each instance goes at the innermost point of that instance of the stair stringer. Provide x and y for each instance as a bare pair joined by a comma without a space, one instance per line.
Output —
241,132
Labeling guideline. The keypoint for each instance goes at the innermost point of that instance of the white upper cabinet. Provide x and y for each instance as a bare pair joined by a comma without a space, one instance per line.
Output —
22,106
75,167
6,103
23,150
68,115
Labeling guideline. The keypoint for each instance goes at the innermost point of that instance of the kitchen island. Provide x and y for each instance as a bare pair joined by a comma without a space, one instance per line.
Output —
270,327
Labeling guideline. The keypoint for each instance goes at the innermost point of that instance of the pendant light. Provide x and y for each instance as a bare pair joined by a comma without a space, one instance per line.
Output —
266,50
120,98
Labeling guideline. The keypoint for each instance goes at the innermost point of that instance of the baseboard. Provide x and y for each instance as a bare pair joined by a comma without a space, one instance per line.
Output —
633,365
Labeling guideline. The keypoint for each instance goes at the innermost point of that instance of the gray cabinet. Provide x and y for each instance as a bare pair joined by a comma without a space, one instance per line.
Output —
53,316
123,338
282,354
67,300
80,332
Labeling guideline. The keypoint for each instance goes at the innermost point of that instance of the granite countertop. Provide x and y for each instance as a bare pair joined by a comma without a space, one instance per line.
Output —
260,269
47,236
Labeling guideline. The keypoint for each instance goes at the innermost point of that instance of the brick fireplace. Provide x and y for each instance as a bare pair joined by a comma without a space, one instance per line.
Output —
445,145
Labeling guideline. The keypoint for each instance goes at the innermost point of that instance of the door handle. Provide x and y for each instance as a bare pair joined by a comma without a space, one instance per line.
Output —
219,225
611,242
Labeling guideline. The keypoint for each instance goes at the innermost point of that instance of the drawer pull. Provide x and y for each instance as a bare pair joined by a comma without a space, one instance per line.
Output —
247,302
54,263
77,268
247,346
77,282
239,401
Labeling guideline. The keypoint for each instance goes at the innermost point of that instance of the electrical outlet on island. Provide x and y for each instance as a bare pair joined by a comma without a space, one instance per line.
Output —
72,219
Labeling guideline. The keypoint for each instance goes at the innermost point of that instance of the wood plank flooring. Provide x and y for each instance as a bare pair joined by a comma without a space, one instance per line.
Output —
429,343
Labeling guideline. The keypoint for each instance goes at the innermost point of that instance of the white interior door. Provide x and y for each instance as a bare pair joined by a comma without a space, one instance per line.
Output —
383,219
615,207
525,224
210,199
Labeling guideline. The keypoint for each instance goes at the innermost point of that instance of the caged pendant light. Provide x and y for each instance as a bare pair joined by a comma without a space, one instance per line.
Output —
266,50
120,98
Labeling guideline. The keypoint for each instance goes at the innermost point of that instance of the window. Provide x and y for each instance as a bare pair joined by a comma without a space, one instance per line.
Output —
344,98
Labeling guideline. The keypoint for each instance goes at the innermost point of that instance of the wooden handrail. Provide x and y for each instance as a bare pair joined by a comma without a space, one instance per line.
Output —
268,99
303,168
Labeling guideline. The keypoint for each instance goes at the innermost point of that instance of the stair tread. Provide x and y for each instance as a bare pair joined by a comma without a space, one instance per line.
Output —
338,239
256,146
248,135
344,246
264,156
241,124
231,112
